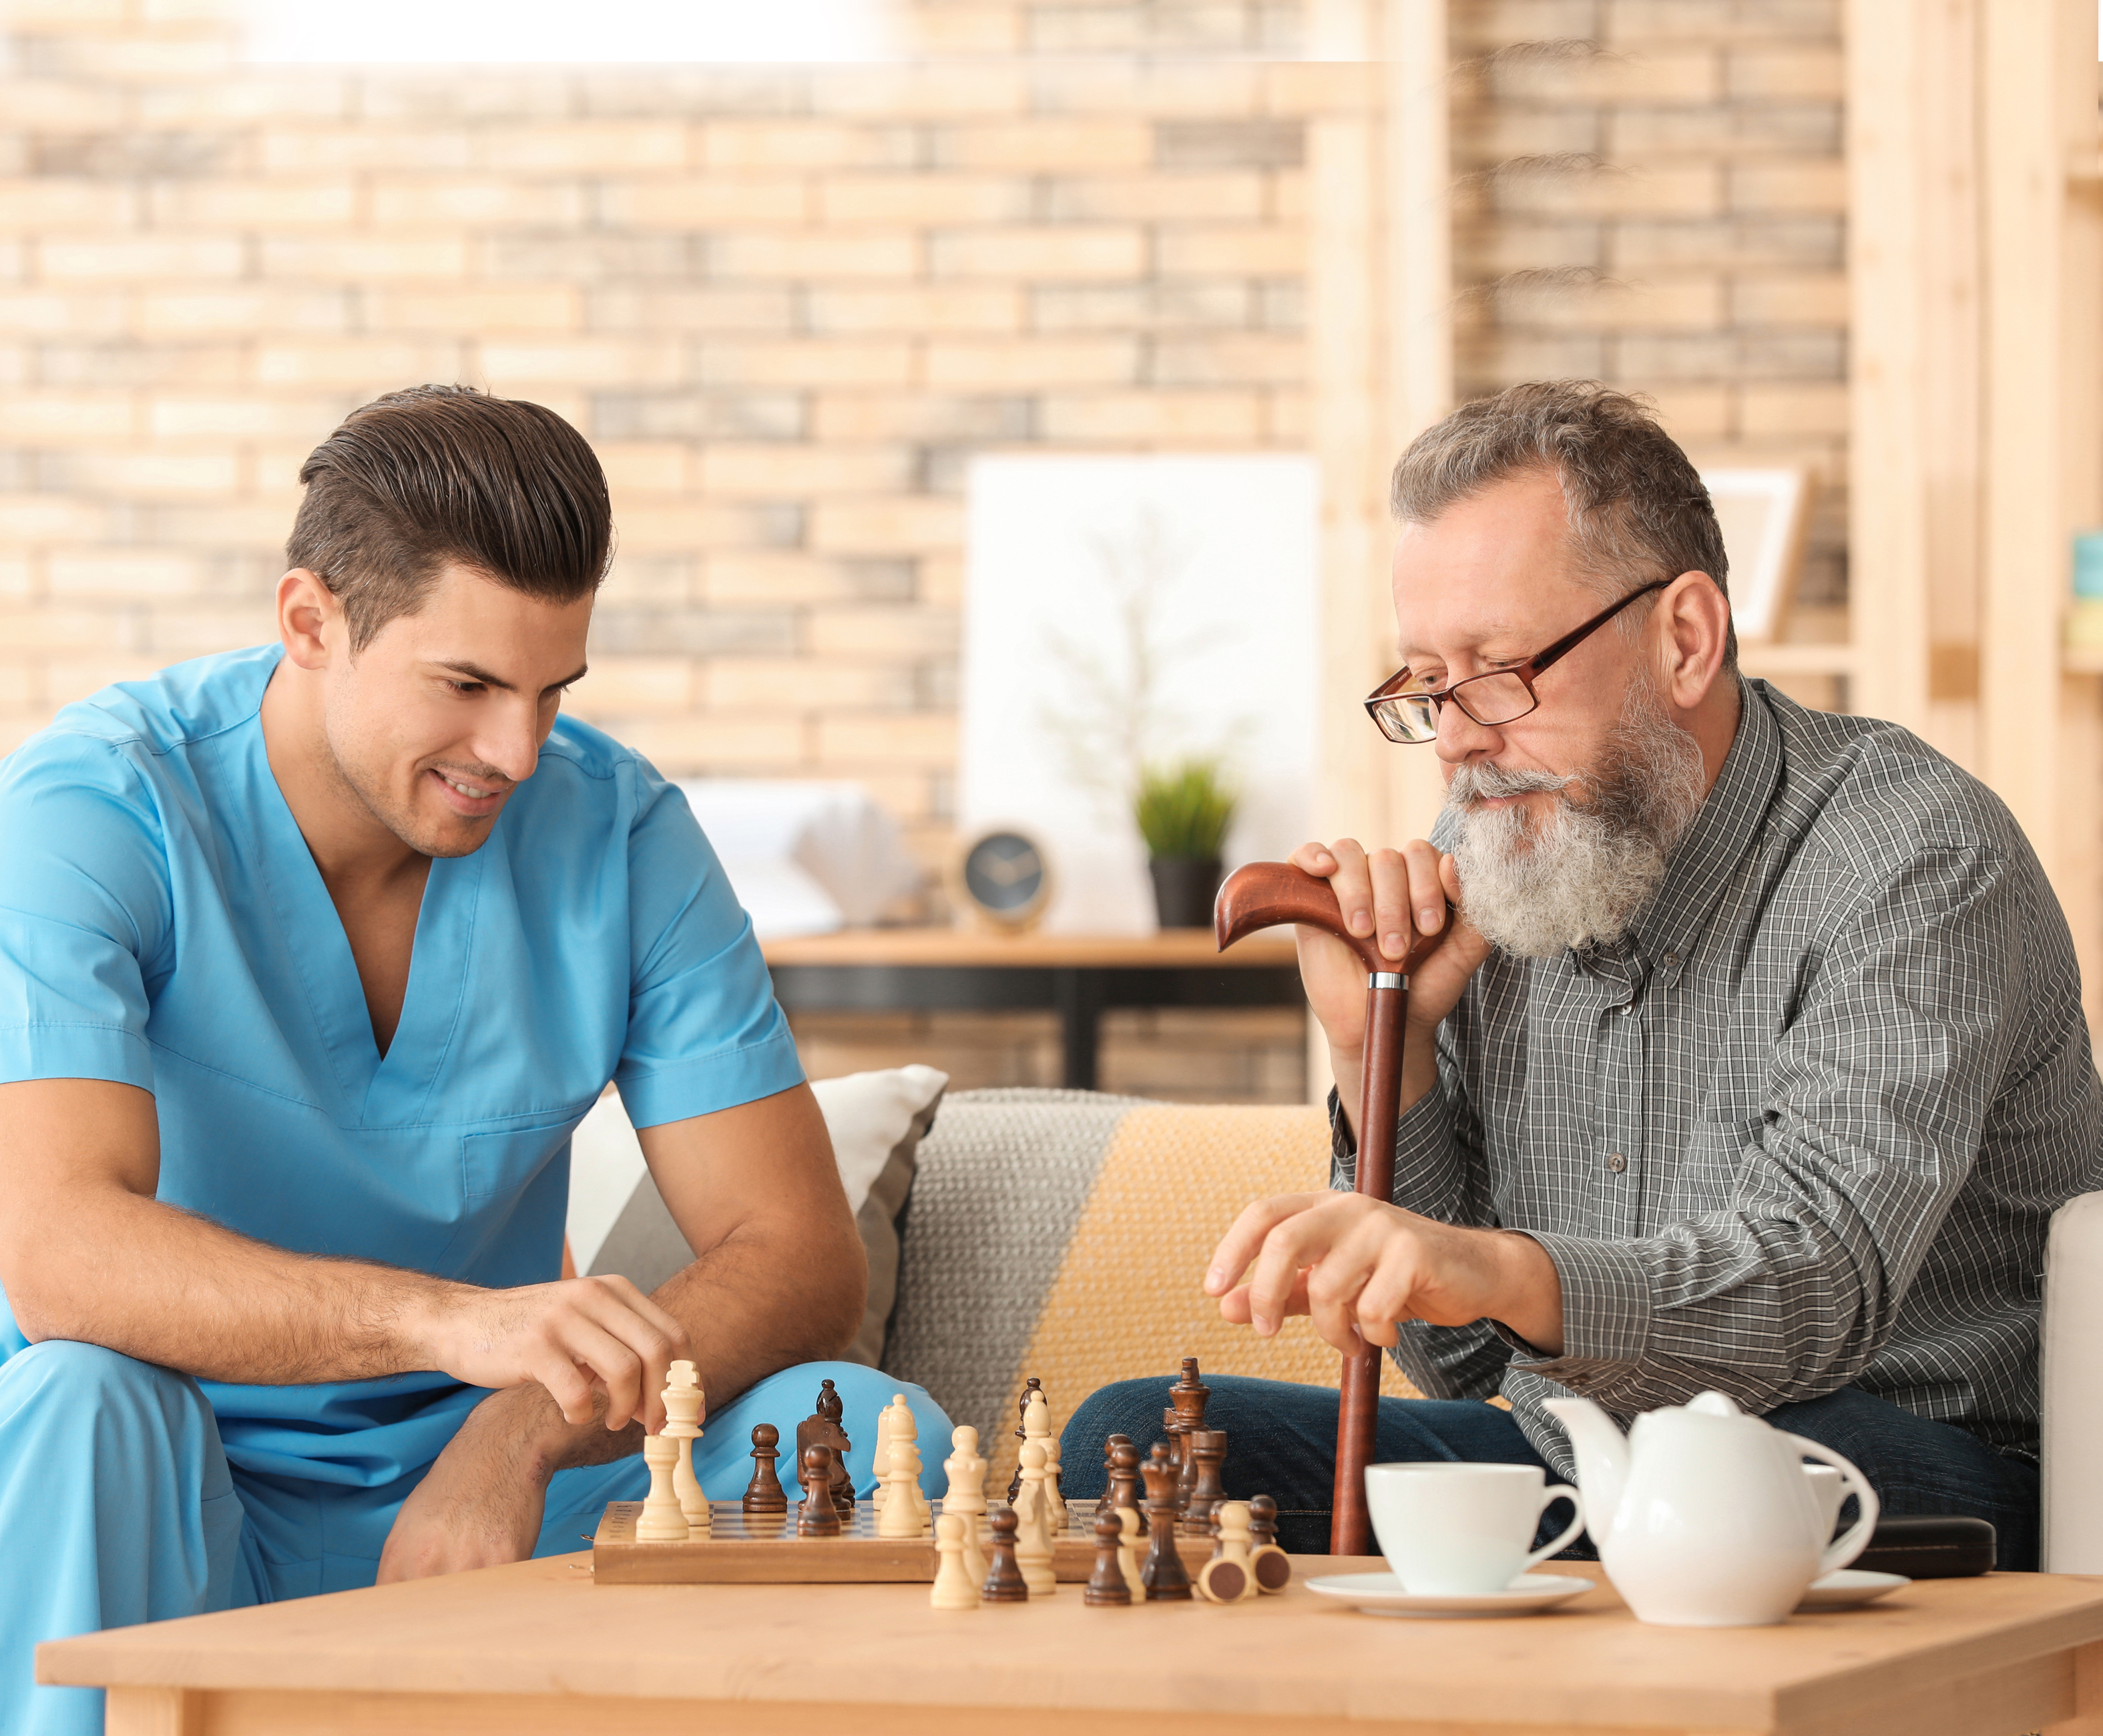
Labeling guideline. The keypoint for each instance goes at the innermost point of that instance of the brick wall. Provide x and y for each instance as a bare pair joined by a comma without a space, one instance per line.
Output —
784,305
1654,193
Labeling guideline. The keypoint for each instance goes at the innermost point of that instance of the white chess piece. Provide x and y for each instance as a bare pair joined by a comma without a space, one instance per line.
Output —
1131,1547
1033,1534
682,1423
1037,1426
906,1431
660,1520
880,1460
966,1499
1234,1546
901,1515
953,1588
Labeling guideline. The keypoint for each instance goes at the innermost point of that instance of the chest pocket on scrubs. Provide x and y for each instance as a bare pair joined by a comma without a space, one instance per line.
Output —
503,1162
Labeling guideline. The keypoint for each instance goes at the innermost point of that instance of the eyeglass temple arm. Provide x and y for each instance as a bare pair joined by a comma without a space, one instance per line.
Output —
1261,896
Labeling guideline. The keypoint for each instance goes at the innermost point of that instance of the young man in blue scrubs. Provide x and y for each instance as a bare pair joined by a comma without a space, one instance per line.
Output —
311,958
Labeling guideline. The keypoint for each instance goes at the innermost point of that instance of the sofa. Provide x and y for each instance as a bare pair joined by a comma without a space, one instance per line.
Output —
1062,1233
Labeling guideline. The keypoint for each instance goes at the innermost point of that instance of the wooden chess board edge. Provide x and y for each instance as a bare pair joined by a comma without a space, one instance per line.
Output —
617,1559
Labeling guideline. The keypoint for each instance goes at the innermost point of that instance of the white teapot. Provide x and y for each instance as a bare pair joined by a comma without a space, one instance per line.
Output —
1703,1516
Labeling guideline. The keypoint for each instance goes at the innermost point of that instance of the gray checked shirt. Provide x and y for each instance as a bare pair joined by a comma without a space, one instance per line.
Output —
1804,1128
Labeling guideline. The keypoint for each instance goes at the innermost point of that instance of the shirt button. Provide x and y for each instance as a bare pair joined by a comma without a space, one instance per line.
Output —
1626,1010
1616,1162
1671,960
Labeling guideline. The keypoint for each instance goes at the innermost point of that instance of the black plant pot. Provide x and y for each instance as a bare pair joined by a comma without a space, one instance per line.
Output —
1184,889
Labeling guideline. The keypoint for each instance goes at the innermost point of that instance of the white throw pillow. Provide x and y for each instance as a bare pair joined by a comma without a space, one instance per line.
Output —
618,1222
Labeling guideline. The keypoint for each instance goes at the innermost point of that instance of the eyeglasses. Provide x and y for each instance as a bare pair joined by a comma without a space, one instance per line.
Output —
1503,696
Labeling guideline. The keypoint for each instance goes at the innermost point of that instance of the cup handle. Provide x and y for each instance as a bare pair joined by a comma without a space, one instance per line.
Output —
1856,1538
1548,1495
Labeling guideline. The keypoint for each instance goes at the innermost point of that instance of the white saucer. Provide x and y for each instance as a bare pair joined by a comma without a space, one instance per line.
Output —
1381,1594
1846,1587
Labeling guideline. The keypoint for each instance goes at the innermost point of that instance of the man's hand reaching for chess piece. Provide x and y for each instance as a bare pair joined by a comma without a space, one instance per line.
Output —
1358,1267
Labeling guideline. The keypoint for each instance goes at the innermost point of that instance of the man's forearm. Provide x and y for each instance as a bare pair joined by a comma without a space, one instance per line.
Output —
109,1267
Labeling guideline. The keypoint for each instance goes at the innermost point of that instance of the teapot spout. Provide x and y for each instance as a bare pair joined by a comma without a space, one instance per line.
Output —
1602,1457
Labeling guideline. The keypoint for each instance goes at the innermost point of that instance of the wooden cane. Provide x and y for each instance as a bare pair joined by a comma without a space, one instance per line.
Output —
1261,896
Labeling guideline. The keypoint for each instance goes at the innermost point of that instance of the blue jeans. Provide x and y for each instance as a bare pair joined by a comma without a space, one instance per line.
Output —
114,1483
1281,1442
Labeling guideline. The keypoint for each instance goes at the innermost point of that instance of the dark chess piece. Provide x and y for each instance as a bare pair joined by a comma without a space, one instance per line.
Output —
1164,1575
1124,1479
1004,1581
1108,1504
822,1428
1187,1399
1272,1566
1106,1579
764,1493
1208,1448
817,1516
1031,1388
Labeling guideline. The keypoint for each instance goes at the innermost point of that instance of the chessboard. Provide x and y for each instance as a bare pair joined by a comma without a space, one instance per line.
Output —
742,1548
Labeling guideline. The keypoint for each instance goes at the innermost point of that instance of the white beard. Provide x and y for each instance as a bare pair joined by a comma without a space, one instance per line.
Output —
1577,878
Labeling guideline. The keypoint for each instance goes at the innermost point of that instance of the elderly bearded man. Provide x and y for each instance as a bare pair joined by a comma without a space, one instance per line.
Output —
1753,1060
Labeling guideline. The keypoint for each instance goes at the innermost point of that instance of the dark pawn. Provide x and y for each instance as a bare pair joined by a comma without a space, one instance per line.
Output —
1208,1448
1124,1479
1106,1581
1030,1389
1165,1579
764,1493
1272,1566
817,1516
1004,1581
1108,1503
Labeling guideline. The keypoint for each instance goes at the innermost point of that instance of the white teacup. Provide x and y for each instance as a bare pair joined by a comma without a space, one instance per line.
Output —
1460,1530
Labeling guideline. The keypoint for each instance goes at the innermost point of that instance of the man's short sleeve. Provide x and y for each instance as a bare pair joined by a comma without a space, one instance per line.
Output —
704,1031
84,912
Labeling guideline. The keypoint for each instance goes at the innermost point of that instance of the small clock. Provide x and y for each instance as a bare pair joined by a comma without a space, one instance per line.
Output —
1004,878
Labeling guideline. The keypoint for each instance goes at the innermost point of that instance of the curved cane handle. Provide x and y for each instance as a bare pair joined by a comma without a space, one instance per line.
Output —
1262,895
1856,1538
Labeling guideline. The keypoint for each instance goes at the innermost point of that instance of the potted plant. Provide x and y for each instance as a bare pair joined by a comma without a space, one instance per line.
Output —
1183,811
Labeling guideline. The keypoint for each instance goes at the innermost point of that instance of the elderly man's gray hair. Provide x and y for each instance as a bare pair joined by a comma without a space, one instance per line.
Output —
1637,508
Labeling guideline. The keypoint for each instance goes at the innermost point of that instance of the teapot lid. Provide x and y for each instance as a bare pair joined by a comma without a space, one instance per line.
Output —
1715,1405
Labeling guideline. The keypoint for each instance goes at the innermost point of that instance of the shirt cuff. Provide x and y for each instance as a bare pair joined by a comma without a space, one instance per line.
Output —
1606,1309
1424,1135
709,1083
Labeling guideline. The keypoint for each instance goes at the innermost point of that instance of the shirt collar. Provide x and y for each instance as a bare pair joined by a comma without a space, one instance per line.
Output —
1723,833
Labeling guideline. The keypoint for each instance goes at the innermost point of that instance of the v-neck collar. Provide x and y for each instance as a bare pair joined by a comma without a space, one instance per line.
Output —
396,1088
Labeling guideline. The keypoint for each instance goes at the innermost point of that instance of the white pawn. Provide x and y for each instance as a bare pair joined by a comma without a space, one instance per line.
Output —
660,1520
954,1587
1033,1534
1131,1547
905,1430
1037,1426
1234,1546
682,1423
901,1515
966,1499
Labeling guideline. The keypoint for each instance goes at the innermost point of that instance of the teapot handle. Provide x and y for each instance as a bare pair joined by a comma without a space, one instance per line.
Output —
1856,1538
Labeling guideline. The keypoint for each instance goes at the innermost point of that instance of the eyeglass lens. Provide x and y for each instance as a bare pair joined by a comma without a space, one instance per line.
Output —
1494,698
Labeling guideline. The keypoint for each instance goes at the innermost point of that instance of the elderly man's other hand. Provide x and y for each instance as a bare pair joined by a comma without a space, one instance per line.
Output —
1360,1267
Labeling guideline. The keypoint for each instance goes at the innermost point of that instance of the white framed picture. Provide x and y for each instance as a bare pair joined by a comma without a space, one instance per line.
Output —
1764,515
1136,609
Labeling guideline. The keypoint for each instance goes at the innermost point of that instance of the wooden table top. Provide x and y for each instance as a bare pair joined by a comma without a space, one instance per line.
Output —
1172,947
1974,1656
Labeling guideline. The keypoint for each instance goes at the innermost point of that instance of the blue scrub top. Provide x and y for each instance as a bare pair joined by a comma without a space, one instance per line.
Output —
162,925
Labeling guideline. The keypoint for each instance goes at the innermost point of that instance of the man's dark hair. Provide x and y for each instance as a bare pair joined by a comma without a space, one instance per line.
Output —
1638,509
445,474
